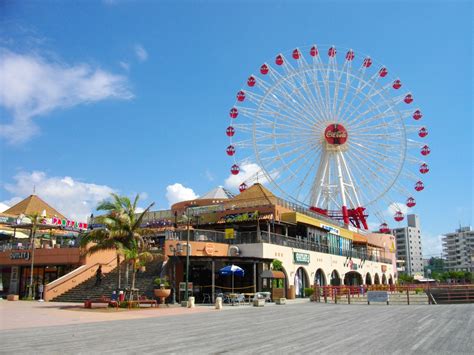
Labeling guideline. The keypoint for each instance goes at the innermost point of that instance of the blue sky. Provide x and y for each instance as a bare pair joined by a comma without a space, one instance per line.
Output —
133,96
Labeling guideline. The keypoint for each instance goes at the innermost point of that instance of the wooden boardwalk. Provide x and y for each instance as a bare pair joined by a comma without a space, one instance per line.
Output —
292,328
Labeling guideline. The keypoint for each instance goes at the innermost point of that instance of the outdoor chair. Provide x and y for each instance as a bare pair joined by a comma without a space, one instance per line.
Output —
206,298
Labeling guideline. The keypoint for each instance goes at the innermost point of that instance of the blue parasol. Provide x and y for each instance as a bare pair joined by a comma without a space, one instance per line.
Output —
232,270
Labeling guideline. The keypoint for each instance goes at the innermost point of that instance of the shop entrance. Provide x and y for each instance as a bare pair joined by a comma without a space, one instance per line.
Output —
301,282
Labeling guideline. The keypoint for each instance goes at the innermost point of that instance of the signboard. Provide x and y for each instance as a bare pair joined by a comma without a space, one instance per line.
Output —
68,223
182,286
330,229
301,258
377,296
229,233
24,255
384,268
7,220
241,217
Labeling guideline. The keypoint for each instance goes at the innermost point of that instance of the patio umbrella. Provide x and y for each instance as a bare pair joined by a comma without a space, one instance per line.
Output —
232,270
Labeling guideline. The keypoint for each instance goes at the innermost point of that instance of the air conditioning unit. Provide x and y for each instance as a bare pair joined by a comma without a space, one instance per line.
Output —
234,250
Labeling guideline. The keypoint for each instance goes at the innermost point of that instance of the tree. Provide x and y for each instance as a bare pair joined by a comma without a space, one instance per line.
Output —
405,279
122,231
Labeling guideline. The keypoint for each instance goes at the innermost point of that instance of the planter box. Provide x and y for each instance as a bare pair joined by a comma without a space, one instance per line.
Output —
13,297
281,300
184,304
260,302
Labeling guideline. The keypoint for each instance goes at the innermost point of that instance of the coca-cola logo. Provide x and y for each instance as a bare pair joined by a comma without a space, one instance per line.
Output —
332,134
335,134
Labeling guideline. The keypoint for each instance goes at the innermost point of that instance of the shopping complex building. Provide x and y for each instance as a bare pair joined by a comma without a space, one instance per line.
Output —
250,230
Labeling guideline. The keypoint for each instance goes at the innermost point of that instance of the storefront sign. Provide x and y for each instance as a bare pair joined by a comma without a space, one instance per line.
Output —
377,296
20,255
384,268
330,229
66,223
7,220
241,217
301,258
229,233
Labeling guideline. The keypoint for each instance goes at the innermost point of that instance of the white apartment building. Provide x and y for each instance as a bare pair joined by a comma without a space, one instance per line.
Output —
409,251
458,250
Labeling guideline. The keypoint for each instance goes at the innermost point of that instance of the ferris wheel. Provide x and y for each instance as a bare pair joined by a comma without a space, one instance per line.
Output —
337,135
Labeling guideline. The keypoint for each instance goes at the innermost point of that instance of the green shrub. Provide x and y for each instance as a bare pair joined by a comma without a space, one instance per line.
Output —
308,291
161,281
419,290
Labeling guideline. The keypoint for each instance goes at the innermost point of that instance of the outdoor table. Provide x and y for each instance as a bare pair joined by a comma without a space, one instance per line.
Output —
249,296
133,293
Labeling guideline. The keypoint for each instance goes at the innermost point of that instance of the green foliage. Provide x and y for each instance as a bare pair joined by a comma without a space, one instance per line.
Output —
308,291
277,265
456,276
405,279
419,290
161,281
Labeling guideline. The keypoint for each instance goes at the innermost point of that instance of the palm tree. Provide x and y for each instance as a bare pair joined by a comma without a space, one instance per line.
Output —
122,230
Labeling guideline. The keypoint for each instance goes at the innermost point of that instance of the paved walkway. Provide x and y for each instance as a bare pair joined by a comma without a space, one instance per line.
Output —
293,328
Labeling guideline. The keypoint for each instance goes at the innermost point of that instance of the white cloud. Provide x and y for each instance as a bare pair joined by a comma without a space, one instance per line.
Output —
3,207
431,244
139,209
177,193
74,199
33,86
141,53
124,65
248,173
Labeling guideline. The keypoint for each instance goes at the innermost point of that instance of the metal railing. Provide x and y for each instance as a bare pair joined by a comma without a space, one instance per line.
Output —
277,239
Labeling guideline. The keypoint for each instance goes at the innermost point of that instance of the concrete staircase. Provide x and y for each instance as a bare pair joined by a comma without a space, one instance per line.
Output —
87,289
395,298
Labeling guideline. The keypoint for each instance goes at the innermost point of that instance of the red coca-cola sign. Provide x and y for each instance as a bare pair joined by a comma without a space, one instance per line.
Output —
335,134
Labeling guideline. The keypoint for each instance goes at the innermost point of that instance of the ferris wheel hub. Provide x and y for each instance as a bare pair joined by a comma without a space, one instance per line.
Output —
336,134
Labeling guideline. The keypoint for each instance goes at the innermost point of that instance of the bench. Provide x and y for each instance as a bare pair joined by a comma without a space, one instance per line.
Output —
144,300
103,300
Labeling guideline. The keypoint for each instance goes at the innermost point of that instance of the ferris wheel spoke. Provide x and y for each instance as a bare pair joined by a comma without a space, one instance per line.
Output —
363,146
378,117
362,84
362,180
306,73
290,99
317,64
351,119
289,104
269,161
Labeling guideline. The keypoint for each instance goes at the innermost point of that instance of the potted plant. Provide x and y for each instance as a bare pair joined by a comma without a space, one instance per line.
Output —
162,289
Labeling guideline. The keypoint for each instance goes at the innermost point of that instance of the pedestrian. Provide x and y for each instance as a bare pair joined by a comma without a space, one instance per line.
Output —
98,276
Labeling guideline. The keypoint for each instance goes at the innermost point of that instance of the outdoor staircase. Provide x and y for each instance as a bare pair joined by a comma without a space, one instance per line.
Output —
395,298
87,289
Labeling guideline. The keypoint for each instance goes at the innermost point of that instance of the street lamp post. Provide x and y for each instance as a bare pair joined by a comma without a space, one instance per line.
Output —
187,256
175,249
34,226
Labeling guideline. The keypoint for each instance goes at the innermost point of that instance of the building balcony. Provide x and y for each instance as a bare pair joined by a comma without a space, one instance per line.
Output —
277,239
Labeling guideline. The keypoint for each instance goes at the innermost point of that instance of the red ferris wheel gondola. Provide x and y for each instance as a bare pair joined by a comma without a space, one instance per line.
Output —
383,72
264,69
411,202
417,115
242,187
235,169
424,168
296,54
384,228
332,52
367,62
397,84
408,99
251,81
230,150
313,52
233,112
279,59
419,186
240,96
230,131
398,216
425,150
423,132
350,55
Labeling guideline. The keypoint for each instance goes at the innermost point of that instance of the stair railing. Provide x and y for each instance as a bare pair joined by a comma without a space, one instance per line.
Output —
75,278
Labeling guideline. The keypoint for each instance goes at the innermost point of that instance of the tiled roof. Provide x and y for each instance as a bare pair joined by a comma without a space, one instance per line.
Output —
32,204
